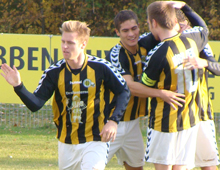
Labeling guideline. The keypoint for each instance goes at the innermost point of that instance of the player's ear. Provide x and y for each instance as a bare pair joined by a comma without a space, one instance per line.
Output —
117,32
84,43
154,23
176,20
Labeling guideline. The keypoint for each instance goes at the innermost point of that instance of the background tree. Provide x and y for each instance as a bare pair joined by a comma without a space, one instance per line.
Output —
46,16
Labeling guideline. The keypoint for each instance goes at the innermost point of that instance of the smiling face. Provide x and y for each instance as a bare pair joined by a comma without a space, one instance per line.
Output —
71,45
129,33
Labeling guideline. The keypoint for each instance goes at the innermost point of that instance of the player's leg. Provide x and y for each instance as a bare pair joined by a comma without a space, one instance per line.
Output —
131,153
160,149
94,156
69,156
179,167
186,148
128,167
209,168
162,167
165,149
206,148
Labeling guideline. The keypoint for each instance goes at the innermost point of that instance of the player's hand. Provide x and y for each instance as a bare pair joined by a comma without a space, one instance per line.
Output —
172,98
109,131
194,62
12,76
177,4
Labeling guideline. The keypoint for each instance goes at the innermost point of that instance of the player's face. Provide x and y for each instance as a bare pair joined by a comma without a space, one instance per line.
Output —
72,47
129,33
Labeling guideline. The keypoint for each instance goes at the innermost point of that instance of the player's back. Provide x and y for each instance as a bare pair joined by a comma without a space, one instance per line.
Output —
165,70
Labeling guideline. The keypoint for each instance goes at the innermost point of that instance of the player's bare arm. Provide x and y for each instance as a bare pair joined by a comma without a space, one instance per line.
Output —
140,90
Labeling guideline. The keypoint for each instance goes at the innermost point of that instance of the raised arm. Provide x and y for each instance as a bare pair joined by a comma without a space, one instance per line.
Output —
12,76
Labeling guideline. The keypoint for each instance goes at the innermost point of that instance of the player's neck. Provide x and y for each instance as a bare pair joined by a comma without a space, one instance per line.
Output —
131,49
77,62
166,33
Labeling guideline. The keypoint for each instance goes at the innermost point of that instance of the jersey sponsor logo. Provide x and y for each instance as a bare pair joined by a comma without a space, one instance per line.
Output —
87,83
76,92
75,108
147,81
75,82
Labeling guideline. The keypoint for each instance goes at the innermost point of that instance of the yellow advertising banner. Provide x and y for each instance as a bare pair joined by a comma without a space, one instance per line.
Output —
32,54
214,81
26,53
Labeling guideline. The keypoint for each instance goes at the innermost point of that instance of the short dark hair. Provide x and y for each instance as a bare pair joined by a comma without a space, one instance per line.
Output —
123,16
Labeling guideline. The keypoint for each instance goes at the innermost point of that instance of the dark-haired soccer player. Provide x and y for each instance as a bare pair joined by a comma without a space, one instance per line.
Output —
78,82
127,59
172,133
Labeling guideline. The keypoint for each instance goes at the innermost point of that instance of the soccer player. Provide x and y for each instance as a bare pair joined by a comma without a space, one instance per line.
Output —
172,133
206,147
78,82
127,59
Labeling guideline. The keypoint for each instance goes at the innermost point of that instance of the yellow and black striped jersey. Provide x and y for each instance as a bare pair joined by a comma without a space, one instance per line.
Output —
78,102
131,64
206,110
165,70
205,104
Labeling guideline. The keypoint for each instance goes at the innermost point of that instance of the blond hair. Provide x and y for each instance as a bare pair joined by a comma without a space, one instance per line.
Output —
76,26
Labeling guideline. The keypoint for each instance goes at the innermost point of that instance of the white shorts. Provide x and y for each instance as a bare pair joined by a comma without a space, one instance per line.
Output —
206,146
128,145
176,148
86,156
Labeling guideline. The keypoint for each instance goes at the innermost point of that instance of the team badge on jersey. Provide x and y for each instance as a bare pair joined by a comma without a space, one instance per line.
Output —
87,83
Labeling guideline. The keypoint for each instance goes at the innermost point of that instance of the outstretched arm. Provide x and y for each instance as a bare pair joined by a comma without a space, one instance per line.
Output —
12,76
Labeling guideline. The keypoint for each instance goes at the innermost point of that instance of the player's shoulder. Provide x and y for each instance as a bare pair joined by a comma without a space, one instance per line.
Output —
147,41
117,51
159,48
56,66
195,29
98,61
145,36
